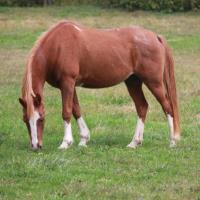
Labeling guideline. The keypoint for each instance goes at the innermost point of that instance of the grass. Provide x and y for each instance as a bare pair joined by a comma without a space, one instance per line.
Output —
106,169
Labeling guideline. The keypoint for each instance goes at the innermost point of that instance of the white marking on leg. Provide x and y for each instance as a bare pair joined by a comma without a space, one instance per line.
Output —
171,125
138,136
171,128
68,138
33,128
84,132
177,136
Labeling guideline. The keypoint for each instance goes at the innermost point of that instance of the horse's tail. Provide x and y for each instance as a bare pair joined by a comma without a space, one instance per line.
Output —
170,85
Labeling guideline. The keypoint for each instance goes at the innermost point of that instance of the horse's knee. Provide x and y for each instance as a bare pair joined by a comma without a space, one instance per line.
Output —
167,107
67,116
76,111
142,112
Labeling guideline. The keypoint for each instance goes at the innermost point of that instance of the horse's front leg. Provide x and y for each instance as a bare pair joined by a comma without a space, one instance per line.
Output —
67,92
83,129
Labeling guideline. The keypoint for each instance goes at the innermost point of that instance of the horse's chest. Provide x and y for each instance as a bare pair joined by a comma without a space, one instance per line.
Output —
53,79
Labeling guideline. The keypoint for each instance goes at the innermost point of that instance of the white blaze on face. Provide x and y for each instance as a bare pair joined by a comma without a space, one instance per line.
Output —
33,128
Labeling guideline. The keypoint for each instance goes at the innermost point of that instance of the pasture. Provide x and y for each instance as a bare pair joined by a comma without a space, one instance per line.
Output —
106,169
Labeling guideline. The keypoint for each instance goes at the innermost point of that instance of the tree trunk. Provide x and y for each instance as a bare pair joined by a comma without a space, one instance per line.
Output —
47,2
187,5
44,2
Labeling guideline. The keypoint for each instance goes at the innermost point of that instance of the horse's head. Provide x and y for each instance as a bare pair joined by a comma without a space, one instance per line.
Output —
34,120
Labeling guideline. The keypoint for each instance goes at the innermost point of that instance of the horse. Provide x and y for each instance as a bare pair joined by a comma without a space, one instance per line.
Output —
69,55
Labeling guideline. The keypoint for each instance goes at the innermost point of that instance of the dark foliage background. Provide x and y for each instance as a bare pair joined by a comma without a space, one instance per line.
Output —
158,5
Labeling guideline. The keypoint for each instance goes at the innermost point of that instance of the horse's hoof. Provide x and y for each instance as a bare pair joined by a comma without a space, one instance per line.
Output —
83,143
133,145
65,145
177,137
172,144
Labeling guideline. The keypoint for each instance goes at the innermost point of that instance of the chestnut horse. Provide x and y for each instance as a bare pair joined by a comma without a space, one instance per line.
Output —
69,55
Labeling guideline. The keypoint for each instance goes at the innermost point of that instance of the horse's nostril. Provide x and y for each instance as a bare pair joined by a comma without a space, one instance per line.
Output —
39,146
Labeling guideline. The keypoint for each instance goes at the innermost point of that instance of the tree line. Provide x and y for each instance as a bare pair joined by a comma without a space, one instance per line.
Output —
131,5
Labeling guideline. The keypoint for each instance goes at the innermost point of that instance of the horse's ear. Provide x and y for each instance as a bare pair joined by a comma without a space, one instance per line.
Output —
22,102
37,100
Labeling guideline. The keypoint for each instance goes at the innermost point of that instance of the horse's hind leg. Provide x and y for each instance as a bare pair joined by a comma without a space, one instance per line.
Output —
83,129
157,89
134,85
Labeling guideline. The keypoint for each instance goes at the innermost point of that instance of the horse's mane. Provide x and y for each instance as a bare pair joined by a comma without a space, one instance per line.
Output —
27,89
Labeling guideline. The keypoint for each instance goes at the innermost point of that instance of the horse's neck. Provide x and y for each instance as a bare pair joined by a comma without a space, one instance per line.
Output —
38,80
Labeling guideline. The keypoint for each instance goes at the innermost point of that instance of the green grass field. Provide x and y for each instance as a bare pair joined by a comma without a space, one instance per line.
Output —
106,169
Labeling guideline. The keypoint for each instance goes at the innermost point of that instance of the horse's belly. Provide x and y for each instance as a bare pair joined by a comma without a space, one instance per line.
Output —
105,62
104,77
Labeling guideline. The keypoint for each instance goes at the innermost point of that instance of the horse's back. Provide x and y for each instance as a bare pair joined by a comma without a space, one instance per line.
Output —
102,58
105,56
